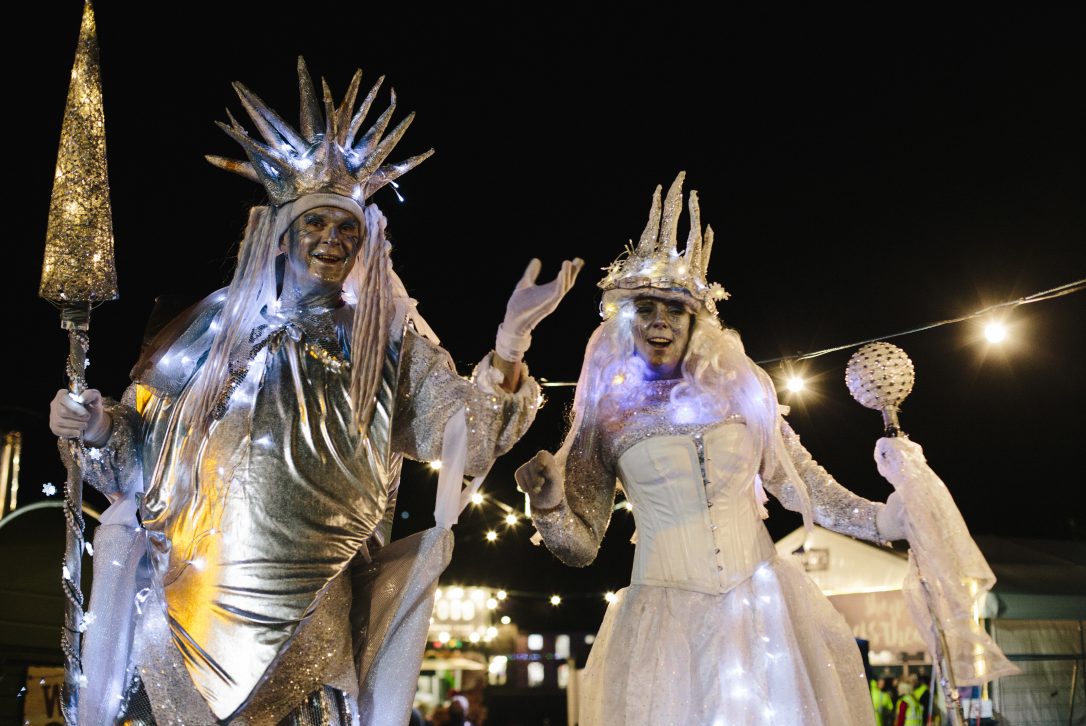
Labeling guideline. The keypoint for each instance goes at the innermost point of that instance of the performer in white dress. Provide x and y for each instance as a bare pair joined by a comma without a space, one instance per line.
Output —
714,628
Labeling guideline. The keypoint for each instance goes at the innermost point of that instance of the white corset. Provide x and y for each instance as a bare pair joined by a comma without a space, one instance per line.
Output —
698,526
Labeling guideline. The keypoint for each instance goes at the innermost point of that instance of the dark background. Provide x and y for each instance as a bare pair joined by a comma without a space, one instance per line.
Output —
865,172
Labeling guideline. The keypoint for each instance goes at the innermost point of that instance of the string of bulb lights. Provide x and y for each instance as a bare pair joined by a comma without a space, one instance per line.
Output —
511,517
995,332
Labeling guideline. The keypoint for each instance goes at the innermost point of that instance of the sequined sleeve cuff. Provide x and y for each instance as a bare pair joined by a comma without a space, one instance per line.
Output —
565,535
113,468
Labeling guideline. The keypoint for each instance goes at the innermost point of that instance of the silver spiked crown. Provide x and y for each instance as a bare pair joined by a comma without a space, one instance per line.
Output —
323,155
655,264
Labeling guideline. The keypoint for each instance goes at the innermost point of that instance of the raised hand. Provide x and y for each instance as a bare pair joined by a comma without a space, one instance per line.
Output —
529,304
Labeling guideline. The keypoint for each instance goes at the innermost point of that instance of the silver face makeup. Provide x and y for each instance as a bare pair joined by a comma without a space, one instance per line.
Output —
321,247
661,330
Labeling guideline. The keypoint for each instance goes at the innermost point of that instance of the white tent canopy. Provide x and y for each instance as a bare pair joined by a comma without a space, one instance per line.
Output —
863,582
852,566
1036,612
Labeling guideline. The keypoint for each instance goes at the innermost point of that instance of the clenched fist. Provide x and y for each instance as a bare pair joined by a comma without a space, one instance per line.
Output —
540,479
70,418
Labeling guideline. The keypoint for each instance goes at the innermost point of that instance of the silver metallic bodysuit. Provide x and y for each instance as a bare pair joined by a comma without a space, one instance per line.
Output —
248,608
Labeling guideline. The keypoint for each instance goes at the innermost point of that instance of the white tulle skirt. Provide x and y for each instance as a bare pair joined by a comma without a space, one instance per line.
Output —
771,651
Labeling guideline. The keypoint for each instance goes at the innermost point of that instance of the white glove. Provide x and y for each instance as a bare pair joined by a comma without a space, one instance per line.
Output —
70,418
540,479
529,304
890,521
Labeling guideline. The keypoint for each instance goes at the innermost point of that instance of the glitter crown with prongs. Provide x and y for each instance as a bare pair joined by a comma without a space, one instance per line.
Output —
322,156
656,264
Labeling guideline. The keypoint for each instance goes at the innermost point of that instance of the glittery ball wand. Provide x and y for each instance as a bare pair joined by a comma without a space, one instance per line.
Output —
948,576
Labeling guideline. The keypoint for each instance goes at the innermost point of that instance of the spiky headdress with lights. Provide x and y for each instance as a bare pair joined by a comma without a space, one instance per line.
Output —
656,266
323,156
324,163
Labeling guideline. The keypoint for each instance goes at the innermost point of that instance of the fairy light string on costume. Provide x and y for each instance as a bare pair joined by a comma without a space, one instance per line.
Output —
995,332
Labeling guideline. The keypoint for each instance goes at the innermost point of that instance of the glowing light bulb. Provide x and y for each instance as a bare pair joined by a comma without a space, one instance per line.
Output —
995,332
506,619
491,603
436,465
502,594
628,505
474,638
556,600
510,519
795,384
476,498
610,596
491,536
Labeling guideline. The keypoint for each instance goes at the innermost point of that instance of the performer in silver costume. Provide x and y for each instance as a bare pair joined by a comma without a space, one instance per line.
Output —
243,573
714,627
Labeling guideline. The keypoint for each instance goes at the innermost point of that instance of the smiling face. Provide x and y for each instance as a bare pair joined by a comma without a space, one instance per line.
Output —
661,331
321,247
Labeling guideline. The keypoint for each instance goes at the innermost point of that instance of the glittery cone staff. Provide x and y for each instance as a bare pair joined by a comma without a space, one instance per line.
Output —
948,575
78,272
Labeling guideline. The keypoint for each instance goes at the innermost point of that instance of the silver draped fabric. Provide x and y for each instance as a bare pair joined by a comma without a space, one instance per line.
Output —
249,552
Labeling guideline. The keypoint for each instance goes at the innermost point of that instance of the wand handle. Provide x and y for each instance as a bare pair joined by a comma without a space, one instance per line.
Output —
955,714
76,320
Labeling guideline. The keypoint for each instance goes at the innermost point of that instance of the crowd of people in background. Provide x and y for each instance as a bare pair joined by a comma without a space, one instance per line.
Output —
903,700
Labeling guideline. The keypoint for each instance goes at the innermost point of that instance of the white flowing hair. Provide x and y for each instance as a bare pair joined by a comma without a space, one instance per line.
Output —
253,289
717,379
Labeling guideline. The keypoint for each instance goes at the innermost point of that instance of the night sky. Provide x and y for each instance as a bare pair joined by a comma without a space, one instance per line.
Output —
865,172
